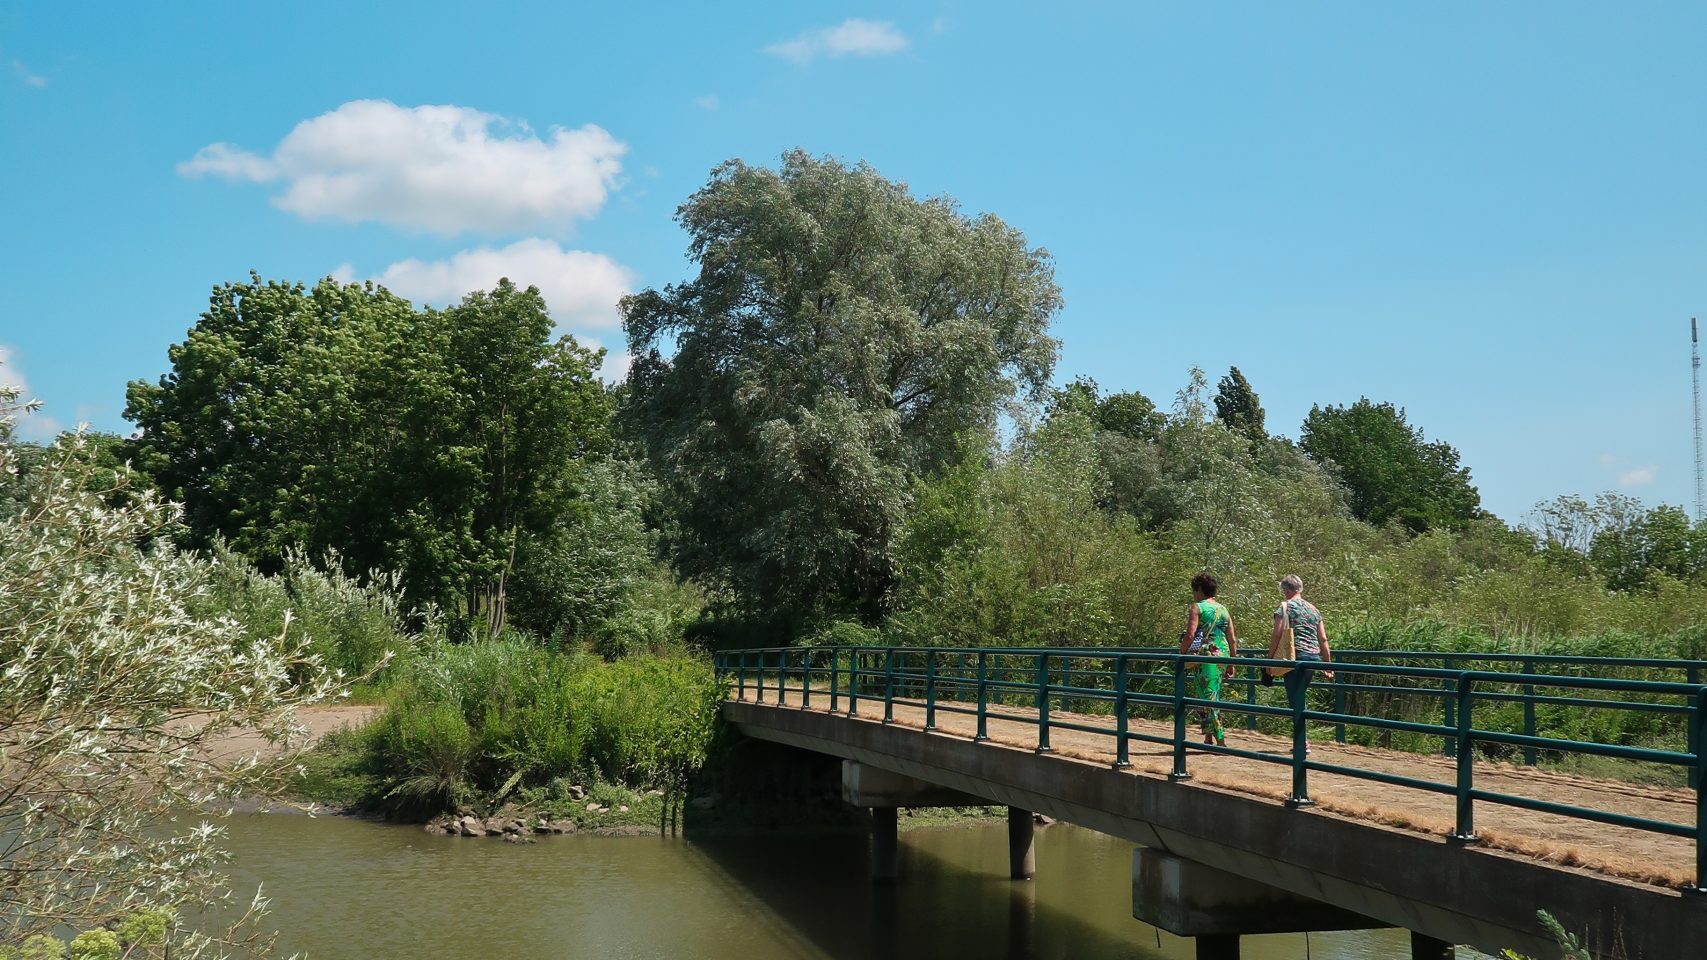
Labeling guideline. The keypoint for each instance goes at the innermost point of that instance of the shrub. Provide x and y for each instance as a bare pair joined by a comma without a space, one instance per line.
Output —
475,722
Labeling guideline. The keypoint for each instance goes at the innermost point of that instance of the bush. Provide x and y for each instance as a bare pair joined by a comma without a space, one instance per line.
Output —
353,626
476,722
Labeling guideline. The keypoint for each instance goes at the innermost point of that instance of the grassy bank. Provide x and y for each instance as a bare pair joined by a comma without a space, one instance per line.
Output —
477,725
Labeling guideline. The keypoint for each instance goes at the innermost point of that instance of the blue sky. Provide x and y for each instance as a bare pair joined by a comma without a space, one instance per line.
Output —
1494,215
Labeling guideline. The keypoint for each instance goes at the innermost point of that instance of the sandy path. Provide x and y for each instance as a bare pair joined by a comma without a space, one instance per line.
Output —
317,722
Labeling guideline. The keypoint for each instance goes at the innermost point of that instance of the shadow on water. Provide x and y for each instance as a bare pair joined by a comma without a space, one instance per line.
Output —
954,898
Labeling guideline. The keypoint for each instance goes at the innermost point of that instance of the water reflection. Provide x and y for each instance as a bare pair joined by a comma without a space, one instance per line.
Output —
345,888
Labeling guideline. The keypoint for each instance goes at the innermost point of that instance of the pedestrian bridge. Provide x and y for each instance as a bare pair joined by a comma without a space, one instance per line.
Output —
1452,795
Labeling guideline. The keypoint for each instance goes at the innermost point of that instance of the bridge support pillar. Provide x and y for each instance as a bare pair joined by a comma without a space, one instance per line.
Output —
1222,946
1424,947
1022,851
885,844
1188,899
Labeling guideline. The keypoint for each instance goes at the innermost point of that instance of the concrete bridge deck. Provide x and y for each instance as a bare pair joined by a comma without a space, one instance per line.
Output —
1377,850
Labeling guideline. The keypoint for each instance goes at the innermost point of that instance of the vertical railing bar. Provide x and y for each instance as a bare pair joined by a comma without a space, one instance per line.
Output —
930,690
1699,730
853,681
1179,771
741,677
1465,828
835,699
1043,703
806,679
782,677
1449,743
983,697
1122,756
889,685
1300,752
1529,713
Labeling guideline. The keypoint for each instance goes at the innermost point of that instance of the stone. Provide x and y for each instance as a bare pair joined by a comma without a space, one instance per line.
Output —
494,825
563,826
593,806
470,827
517,838
622,809
577,792
1041,820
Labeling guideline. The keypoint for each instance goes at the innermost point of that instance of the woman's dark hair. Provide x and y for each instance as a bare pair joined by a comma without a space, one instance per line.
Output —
1205,584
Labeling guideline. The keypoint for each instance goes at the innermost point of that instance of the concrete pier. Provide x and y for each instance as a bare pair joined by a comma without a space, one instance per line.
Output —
1022,852
885,844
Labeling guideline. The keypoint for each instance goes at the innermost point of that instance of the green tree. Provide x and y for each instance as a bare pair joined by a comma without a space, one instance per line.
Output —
341,418
841,337
1237,407
1390,471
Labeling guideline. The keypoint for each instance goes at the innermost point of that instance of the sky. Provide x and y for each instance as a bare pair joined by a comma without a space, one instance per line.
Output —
1492,215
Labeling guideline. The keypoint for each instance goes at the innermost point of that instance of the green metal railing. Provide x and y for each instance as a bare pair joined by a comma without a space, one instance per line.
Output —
1066,688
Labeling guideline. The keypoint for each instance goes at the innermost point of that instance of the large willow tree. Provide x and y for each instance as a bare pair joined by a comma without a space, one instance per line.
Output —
841,338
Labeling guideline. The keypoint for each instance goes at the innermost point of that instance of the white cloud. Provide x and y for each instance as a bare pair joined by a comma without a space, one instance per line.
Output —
29,77
854,37
32,424
441,168
707,102
1639,477
580,288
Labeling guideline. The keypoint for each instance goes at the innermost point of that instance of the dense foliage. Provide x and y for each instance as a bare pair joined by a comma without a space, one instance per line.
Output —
1390,471
430,443
840,338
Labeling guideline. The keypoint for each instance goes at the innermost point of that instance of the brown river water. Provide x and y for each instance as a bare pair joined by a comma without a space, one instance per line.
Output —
366,891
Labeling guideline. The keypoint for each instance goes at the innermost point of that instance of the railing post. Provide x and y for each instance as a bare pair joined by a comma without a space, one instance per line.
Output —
1698,731
930,690
1251,695
1465,830
806,678
1339,708
761,678
889,685
1043,703
1529,713
1179,772
741,677
782,677
1300,752
1695,740
1122,759
853,681
1449,743
983,697
835,655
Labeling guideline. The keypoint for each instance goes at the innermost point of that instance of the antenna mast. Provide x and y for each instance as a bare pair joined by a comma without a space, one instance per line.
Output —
1695,377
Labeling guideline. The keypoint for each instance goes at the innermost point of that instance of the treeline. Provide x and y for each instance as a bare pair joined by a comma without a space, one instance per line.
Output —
809,436
840,428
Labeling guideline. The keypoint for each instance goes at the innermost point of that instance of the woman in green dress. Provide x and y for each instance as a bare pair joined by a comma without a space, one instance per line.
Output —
1209,631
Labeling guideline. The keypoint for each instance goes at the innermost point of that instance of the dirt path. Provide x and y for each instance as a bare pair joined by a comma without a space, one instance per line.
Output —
316,722
1629,853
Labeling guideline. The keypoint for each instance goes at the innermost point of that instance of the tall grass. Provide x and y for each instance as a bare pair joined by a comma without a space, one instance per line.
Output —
478,721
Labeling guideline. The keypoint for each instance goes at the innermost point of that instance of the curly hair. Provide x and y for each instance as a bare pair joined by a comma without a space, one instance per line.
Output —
1205,583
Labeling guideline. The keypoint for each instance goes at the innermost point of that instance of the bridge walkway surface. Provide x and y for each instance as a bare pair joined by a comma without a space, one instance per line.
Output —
1458,849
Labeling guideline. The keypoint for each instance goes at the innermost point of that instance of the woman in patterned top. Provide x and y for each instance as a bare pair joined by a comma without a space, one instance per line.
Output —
1209,631
1309,638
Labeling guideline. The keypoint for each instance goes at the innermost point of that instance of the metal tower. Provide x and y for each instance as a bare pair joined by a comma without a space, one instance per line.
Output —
1695,377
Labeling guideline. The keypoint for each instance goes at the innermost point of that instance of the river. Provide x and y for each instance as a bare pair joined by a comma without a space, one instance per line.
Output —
365,891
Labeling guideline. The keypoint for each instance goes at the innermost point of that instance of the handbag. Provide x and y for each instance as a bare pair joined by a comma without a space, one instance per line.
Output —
1284,648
